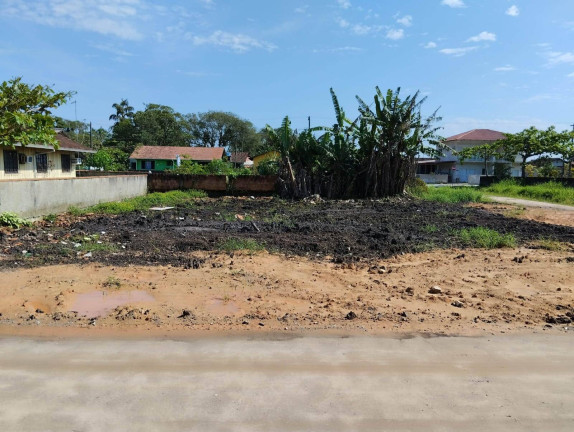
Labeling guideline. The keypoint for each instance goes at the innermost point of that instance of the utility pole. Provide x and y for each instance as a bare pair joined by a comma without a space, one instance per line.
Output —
309,119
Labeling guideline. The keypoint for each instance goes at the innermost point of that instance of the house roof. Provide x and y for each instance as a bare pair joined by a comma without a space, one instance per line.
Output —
239,157
171,153
478,135
71,145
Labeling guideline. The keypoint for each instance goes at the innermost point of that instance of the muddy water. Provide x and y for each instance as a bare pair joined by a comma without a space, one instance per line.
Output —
99,303
222,307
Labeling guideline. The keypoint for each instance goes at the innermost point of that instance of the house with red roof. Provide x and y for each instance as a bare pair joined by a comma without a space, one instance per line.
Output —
449,169
161,158
39,161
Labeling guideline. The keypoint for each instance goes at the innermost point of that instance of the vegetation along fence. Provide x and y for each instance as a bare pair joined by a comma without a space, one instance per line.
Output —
486,181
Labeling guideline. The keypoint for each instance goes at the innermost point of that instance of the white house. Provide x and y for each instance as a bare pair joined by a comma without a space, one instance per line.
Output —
449,169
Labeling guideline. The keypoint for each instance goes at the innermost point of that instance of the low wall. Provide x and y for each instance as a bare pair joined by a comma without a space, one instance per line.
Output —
486,181
162,182
35,198
96,173
254,183
433,178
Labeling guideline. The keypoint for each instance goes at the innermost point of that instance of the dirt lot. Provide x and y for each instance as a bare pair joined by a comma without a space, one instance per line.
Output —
353,266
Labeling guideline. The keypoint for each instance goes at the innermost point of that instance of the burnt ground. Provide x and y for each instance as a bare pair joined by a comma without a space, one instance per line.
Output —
351,230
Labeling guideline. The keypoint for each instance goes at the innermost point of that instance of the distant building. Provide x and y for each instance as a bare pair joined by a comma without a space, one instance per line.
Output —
240,160
449,169
161,158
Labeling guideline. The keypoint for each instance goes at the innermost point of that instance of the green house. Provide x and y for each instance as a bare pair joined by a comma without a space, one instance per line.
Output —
161,158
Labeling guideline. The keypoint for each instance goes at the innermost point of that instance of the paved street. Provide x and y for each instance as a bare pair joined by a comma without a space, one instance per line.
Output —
512,383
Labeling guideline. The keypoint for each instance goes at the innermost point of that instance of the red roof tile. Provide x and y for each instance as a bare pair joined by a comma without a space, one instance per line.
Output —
478,135
239,157
170,153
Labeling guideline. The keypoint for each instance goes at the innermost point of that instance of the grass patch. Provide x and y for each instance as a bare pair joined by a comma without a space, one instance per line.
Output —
157,199
112,282
486,238
550,192
430,228
449,194
235,244
551,245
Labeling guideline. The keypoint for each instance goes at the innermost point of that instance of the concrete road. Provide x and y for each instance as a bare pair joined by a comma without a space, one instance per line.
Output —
530,203
514,383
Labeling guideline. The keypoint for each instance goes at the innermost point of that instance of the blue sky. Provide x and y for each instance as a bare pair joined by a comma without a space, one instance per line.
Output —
496,64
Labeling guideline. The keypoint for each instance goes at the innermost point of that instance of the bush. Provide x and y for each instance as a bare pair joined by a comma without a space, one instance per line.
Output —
12,220
234,244
268,167
417,187
486,238
215,167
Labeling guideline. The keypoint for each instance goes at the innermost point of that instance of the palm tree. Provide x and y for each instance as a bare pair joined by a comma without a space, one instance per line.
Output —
123,111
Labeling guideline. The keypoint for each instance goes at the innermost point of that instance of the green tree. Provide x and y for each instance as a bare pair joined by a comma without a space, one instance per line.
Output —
565,149
224,129
160,125
26,113
526,144
123,111
108,159
80,132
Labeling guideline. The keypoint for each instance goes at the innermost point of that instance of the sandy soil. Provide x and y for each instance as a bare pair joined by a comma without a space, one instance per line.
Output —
544,215
520,290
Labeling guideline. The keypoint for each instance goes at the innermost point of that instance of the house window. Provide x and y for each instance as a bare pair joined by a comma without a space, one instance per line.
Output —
133,165
148,165
42,163
66,163
10,161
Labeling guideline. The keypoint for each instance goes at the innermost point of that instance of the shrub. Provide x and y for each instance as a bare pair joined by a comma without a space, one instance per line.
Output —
12,220
417,187
234,244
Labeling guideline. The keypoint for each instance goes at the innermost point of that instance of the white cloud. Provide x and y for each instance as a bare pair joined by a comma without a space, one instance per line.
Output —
407,20
453,3
343,23
506,68
361,29
302,9
483,36
239,43
513,11
395,34
113,50
556,57
570,75
430,45
457,52
345,4
107,17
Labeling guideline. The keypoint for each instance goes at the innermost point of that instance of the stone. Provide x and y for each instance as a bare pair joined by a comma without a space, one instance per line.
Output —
457,304
351,316
185,314
435,290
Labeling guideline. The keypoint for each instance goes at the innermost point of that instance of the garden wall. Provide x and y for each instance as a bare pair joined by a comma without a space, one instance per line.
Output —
528,181
38,197
96,173
162,182
433,178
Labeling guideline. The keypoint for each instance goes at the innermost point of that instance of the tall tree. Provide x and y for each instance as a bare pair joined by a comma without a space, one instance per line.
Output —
160,125
224,129
81,132
26,113
123,111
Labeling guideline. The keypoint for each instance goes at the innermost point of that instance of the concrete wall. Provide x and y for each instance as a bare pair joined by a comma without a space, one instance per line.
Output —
433,178
28,170
34,198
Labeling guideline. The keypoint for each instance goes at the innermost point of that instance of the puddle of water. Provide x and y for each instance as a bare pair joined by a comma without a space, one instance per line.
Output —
99,303
221,307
